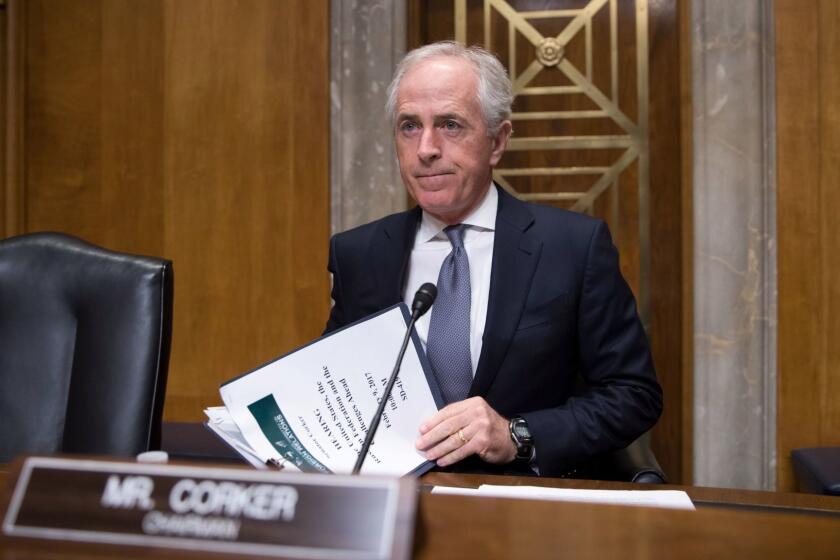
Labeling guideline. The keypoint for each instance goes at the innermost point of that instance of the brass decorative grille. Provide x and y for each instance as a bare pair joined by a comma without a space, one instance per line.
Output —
546,72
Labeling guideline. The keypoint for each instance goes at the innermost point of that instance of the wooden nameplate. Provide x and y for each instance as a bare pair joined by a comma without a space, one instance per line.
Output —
215,509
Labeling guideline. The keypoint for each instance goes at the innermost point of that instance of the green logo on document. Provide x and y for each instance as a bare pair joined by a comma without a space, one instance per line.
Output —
277,430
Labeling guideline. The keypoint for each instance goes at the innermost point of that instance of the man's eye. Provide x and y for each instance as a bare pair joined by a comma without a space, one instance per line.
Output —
408,127
451,125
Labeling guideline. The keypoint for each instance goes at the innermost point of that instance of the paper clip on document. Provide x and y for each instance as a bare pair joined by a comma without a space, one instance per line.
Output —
275,464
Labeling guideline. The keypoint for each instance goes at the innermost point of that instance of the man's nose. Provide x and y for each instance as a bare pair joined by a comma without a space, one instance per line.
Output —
429,148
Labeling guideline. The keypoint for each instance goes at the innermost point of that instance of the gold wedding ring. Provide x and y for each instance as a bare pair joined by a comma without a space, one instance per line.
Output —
461,436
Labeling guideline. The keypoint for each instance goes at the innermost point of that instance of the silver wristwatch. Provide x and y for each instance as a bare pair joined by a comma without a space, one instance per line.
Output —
522,439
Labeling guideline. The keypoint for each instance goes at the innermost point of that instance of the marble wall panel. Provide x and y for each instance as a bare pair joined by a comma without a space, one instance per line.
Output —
368,39
734,244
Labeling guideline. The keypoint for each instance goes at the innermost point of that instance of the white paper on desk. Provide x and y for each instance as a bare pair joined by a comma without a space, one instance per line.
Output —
313,407
220,421
673,499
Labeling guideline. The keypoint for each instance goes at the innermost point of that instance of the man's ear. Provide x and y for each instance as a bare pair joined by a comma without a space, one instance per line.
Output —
500,141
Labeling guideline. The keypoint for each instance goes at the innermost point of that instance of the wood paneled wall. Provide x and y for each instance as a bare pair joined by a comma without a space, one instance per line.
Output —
197,131
808,204
672,329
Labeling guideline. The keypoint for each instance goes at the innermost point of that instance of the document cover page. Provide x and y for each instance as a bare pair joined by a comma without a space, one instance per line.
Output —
311,409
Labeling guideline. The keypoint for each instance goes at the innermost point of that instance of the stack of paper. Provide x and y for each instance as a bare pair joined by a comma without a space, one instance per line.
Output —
220,421
310,410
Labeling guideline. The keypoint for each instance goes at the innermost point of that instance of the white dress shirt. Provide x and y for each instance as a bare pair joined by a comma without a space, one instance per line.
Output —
431,246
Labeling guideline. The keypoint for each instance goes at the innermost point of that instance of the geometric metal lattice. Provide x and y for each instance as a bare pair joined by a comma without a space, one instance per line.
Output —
547,54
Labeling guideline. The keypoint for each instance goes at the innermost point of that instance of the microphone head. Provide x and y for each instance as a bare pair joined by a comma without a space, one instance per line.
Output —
423,299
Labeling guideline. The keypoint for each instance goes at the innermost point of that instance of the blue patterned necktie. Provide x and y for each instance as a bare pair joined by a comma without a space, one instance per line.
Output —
448,343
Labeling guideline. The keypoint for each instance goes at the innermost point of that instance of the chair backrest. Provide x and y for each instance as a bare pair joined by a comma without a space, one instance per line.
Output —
84,347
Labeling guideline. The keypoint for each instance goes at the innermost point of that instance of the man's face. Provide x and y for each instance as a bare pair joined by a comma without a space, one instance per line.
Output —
445,155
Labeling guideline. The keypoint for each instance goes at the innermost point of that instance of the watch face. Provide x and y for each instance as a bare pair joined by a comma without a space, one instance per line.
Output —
521,436
520,430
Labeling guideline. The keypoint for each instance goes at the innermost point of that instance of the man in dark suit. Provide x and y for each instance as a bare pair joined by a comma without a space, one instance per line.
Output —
532,300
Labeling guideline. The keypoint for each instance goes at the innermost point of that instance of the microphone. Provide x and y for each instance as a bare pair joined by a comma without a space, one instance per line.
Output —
423,300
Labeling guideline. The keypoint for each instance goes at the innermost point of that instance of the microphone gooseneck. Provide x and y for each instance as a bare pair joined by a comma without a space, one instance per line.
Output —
423,300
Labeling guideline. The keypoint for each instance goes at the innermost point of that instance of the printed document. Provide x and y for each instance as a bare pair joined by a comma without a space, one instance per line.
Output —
310,410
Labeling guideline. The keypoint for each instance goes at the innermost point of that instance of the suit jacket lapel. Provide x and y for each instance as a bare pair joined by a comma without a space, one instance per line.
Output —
389,253
515,256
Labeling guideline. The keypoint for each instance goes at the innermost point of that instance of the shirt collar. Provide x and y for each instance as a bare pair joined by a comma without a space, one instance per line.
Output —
483,217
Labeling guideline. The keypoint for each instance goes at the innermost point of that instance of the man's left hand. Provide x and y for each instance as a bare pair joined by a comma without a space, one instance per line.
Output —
465,428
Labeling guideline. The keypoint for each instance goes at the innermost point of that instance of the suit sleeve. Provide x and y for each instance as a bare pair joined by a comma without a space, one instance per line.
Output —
336,318
620,398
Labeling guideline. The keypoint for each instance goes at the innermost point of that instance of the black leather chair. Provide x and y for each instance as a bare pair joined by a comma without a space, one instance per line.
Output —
84,347
817,470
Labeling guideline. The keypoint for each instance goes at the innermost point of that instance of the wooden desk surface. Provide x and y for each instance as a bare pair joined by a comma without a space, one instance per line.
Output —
762,525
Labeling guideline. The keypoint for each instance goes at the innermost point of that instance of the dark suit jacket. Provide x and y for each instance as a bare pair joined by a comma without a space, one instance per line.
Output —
559,310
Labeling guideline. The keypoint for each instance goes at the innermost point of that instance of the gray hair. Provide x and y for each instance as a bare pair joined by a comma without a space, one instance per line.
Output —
494,93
